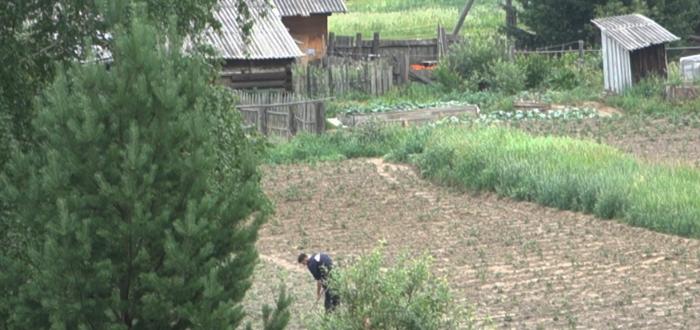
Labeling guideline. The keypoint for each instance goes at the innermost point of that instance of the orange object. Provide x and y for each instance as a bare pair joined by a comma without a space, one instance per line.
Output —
422,67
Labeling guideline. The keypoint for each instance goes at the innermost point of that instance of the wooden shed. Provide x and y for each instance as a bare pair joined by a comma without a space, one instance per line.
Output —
265,59
634,47
307,21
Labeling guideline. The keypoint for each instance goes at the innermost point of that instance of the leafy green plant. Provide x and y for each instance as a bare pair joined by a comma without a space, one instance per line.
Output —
507,77
404,295
675,77
471,60
537,68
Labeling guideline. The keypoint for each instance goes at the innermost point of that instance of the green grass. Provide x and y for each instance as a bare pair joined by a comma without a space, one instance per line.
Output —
647,97
370,141
412,19
398,5
558,172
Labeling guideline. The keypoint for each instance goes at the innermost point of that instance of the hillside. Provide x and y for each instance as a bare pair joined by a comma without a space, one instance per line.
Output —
409,19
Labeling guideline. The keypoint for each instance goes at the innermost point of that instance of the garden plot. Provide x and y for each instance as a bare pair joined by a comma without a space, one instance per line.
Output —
411,117
518,264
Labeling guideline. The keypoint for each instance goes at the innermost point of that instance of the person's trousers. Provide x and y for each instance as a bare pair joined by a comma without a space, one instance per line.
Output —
331,300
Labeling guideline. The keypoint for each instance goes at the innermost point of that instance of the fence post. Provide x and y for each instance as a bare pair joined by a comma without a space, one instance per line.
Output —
404,67
331,44
581,54
291,120
440,50
320,117
331,87
262,120
375,43
358,46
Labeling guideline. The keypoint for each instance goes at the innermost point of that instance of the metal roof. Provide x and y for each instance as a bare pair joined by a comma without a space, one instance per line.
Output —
269,38
308,7
634,31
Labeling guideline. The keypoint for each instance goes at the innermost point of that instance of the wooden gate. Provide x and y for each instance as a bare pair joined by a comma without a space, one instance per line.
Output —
281,114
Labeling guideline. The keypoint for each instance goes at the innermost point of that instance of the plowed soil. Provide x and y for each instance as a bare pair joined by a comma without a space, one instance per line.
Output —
517,264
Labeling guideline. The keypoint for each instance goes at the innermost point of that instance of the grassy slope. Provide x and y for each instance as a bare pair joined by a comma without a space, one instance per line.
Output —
414,19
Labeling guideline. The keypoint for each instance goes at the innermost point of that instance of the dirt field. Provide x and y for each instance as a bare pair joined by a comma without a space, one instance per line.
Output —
519,264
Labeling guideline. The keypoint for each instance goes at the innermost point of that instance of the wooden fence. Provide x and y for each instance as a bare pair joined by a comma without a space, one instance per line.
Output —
281,114
418,51
337,76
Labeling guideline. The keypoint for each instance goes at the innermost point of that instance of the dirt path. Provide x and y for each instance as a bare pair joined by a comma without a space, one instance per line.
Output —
520,264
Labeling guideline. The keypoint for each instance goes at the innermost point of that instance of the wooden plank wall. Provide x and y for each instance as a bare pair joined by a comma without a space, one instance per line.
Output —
280,114
254,74
649,61
336,76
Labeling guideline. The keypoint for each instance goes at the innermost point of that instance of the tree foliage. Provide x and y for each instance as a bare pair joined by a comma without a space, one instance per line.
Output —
560,21
139,206
35,34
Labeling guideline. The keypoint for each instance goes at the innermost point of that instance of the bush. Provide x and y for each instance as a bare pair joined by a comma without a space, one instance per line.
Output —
537,68
471,61
405,295
506,77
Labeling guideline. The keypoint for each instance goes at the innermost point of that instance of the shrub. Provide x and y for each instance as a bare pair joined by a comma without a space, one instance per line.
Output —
405,295
471,60
449,78
537,68
506,77
562,77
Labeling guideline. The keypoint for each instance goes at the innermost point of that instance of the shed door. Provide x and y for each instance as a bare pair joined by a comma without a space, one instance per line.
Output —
649,61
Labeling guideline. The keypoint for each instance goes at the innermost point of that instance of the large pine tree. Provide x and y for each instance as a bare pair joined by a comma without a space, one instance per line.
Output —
140,206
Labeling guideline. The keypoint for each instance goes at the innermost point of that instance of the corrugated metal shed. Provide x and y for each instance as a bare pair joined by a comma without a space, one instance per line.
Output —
633,47
634,31
269,38
308,7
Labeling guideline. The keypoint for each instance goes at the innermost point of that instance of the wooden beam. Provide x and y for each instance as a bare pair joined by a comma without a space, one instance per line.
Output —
462,17
260,76
420,78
